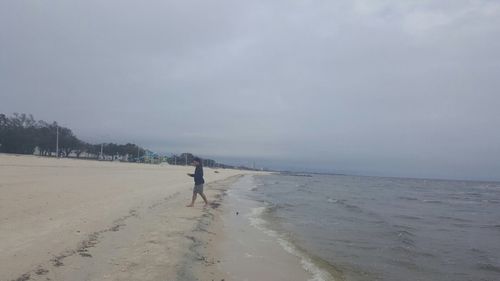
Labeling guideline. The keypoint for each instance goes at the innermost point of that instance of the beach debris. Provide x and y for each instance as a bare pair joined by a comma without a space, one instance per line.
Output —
116,227
237,213
41,271
85,254
57,260
214,205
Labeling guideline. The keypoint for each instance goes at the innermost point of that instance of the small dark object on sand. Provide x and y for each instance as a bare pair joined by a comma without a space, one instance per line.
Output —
237,213
216,172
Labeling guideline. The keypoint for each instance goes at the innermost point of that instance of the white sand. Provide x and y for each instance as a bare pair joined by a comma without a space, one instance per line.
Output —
66,219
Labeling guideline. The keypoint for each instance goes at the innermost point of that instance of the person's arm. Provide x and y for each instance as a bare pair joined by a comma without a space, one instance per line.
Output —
191,175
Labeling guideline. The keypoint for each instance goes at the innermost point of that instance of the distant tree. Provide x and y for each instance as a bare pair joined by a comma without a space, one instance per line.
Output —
185,158
208,162
80,148
93,150
17,134
46,137
3,120
67,141
3,129
111,149
21,133
132,150
181,160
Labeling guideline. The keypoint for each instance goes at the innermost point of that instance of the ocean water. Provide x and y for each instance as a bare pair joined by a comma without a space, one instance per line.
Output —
371,228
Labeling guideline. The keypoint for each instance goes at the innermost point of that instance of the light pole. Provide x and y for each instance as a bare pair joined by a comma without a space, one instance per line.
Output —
57,141
102,156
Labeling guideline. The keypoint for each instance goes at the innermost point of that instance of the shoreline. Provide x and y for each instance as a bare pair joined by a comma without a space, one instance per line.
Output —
201,263
237,248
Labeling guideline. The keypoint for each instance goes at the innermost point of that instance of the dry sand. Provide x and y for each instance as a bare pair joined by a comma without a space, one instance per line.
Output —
66,219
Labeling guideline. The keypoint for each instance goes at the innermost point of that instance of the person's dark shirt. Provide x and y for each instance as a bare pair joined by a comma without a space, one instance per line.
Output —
198,175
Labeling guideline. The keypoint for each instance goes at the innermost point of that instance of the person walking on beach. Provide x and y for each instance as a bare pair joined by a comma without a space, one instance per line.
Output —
198,182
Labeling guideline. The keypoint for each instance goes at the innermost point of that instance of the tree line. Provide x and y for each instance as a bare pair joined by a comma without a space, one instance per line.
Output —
187,158
22,134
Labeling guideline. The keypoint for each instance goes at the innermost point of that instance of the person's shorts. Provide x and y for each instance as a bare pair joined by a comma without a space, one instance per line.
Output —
198,188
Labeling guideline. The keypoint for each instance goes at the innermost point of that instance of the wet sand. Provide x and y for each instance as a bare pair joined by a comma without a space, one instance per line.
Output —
235,248
65,219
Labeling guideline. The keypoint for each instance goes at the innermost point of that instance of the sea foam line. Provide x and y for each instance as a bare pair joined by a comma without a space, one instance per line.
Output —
317,273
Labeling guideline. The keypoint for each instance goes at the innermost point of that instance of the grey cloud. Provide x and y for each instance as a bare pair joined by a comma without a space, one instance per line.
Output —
398,88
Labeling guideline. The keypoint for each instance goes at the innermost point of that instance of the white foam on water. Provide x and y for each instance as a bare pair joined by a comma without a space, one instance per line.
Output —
317,273
331,200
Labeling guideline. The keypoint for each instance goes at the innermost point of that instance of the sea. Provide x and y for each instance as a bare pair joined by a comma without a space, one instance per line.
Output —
358,228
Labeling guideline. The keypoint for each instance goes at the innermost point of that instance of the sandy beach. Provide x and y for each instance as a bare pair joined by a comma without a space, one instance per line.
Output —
68,219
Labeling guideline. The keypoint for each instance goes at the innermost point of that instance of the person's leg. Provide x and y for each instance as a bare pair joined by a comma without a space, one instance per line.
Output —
204,198
192,201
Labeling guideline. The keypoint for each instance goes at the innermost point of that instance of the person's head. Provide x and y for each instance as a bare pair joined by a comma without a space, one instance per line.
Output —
196,161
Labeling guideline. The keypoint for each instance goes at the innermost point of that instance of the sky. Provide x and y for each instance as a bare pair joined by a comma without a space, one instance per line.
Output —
387,88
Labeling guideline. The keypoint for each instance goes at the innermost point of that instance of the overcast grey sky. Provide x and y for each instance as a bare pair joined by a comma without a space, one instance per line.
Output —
400,88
